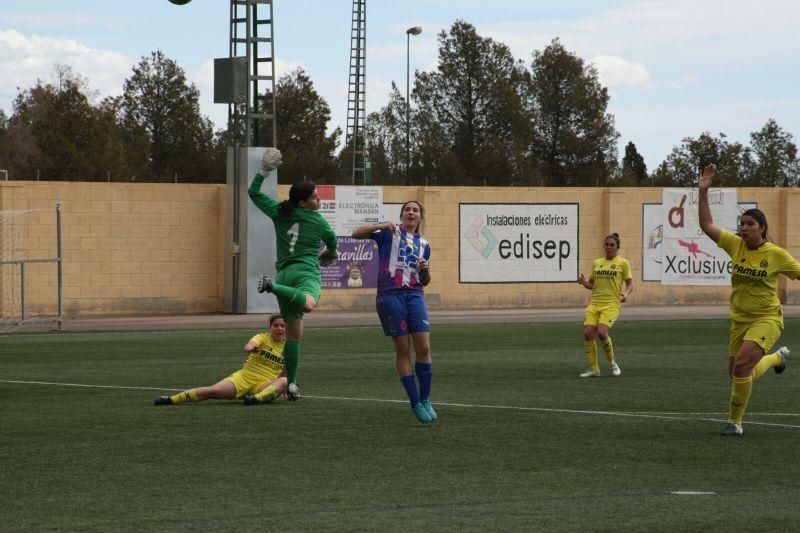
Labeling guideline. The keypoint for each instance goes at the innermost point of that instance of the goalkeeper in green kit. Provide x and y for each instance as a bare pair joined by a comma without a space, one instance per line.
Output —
299,228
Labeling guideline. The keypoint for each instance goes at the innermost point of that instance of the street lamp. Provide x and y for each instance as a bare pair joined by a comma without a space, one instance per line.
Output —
416,30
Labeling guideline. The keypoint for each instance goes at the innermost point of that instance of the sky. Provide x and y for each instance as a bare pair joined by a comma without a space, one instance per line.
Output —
674,68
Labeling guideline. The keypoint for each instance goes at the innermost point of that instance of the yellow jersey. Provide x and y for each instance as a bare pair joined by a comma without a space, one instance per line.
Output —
267,362
608,276
754,277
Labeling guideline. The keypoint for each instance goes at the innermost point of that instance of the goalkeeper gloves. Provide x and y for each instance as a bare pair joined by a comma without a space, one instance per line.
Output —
271,160
327,257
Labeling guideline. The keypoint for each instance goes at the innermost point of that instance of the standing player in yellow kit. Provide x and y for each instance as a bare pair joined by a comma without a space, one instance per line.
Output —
608,275
756,313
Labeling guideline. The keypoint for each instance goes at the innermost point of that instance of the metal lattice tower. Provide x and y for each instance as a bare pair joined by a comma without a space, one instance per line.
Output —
356,93
251,32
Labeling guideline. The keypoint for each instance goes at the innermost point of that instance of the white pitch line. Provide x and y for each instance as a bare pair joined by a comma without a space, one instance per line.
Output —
674,416
76,333
82,385
693,493
711,414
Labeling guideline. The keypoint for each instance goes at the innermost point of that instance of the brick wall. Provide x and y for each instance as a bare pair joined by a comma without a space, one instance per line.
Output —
127,248
158,248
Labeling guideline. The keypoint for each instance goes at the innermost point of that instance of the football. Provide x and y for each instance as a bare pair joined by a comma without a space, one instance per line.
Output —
180,2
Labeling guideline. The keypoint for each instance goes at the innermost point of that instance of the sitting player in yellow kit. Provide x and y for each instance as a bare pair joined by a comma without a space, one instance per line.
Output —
260,380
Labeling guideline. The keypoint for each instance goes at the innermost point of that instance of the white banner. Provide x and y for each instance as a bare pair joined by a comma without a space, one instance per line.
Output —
518,243
689,257
356,206
348,207
652,236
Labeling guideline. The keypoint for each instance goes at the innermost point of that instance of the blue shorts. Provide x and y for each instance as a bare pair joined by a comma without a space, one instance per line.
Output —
402,312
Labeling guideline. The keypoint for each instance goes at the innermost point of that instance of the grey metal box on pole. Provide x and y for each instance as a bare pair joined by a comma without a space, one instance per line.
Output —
230,80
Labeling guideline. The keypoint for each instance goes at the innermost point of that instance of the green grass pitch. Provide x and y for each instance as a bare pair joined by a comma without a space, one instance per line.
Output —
522,443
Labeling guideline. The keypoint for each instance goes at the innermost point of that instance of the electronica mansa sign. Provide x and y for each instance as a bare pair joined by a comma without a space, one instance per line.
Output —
518,243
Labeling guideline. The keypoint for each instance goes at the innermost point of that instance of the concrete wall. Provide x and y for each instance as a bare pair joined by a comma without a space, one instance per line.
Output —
127,248
158,248
602,211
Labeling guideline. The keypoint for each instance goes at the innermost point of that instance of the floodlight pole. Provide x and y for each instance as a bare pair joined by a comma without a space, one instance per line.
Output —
416,30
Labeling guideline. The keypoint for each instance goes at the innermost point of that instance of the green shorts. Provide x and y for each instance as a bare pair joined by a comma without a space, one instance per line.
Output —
764,332
303,278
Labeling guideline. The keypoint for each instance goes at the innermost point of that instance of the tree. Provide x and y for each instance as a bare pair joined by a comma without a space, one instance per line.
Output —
158,100
302,122
472,109
775,157
574,139
386,142
681,167
5,148
56,133
634,170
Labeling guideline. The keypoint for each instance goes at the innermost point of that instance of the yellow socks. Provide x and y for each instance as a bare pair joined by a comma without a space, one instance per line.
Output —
768,361
591,353
185,396
268,394
740,395
608,348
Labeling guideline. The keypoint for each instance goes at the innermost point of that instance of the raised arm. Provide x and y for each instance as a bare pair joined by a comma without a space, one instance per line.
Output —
271,160
703,210
588,283
364,232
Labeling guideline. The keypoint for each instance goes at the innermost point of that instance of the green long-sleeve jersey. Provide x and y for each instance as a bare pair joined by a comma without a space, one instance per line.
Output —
298,236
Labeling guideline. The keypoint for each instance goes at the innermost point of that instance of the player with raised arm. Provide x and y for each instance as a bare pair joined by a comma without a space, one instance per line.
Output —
755,310
260,380
299,228
403,272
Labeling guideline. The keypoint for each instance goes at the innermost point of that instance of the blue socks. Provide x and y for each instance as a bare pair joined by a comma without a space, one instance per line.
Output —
424,373
425,376
410,385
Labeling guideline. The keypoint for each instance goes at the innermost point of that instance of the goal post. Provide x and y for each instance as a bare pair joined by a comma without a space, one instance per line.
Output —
20,304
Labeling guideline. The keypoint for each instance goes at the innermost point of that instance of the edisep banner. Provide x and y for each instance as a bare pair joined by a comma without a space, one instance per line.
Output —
518,243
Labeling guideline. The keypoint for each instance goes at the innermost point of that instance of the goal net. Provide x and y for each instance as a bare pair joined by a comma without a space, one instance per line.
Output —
28,267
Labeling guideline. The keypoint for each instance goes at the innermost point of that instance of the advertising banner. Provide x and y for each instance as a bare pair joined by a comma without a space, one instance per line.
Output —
346,208
688,256
652,237
518,243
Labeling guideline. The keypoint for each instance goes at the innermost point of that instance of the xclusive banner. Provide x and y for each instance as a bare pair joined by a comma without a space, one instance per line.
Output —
652,235
518,243
688,257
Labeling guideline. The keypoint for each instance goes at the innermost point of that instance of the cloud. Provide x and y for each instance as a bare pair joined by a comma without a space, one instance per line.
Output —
25,59
616,71
670,36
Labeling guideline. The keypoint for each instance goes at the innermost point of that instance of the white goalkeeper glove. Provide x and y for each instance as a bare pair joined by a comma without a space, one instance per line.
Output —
271,160
327,257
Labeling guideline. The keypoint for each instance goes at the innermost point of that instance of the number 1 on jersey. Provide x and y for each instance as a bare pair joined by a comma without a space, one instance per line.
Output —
294,231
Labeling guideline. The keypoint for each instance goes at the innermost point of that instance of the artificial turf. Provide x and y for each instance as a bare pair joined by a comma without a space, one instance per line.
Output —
522,443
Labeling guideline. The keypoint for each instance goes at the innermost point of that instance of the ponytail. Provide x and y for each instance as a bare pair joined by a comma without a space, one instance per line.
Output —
300,191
